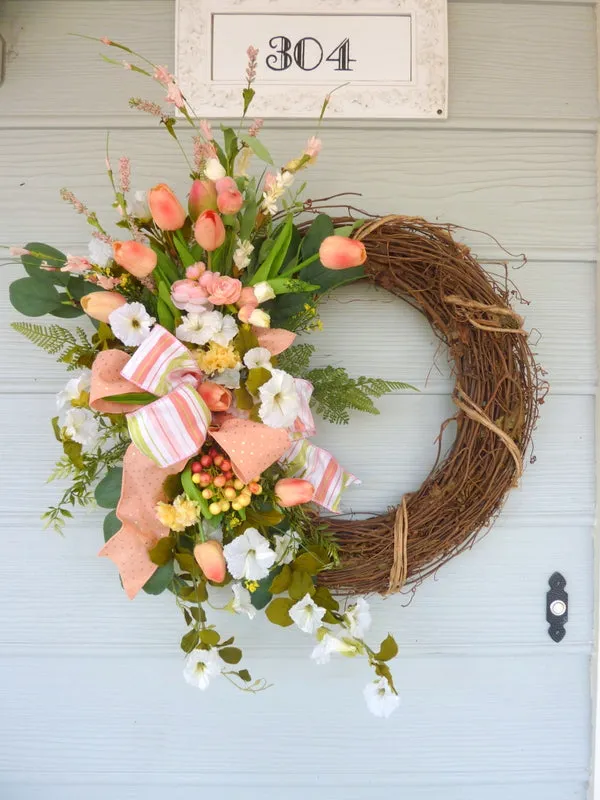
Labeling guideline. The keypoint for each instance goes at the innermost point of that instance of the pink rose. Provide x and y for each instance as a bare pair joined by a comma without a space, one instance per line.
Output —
194,271
221,289
190,296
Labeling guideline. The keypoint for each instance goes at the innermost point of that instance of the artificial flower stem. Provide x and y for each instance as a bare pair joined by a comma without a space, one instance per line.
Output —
291,270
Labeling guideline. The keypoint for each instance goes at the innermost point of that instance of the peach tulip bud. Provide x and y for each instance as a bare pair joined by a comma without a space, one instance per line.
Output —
216,397
209,557
100,305
338,252
225,184
209,230
135,257
247,298
293,492
203,197
230,201
167,212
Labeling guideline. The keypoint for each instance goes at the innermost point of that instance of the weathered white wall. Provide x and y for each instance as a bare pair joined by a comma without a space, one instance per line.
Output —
91,700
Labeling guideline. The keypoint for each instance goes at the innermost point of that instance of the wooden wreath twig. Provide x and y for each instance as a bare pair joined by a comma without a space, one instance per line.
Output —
498,391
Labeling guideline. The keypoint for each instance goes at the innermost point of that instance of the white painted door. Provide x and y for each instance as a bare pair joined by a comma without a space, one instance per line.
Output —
91,699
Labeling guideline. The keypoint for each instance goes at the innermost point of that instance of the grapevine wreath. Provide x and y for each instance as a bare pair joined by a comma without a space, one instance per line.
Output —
189,417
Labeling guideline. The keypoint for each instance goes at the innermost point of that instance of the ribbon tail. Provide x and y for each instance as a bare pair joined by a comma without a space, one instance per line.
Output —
251,446
107,379
319,467
142,489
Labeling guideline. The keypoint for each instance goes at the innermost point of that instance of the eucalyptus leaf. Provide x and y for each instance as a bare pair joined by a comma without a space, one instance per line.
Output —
231,655
301,585
111,525
278,611
257,148
388,649
32,297
189,641
160,580
108,491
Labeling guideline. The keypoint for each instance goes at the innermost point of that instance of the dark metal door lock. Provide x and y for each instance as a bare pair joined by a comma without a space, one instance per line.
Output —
557,607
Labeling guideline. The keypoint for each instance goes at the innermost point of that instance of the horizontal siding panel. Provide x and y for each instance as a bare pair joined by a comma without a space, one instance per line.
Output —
497,68
457,720
391,453
565,790
489,601
560,316
534,192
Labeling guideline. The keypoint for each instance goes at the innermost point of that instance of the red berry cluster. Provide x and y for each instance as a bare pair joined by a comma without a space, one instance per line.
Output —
214,473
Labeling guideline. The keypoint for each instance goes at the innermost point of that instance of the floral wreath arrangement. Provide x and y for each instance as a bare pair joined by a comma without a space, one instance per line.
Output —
190,413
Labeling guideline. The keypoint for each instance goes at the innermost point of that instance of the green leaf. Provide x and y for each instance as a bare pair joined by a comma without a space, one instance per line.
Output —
56,429
194,594
187,259
245,340
292,286
282,580
244,675
257,148
261,596
112,524
321,227
108,491
210,637
72,450
160,580
278,611
301,585
256,377
231,143
33,297
274,261
132,398
53,257
188,563
243,399
309,562
388,649
162,552
78,287
248,215
248,95
193,491
323,597
231,655
66,310
190,641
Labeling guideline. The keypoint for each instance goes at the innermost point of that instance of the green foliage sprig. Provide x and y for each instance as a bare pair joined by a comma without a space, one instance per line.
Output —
74,349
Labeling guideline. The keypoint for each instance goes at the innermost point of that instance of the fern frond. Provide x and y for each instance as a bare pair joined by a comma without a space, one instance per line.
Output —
296,359
51,338
335,393
74,349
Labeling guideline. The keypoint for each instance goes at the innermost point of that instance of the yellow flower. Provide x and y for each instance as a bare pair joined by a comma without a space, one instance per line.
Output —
179,515
217,358
252,586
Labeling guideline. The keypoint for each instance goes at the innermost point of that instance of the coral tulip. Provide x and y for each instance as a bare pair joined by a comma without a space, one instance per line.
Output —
293,492
338,252
230,201
225,184
209,231
216,397
209,557
167,212
135,257
99,305
203,197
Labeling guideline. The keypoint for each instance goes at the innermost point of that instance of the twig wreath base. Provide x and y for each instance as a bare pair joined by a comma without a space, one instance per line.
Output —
498,390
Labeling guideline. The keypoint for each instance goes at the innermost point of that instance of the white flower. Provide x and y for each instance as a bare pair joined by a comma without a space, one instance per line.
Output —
73,391
139,207
80,426
276,187
258,357
242,603
286,546
199,328
131,323
269,203
100,253
331,644
279,400
227,330
307,614
260,318
263,291
285,179
200,667
358,618
242,253
214,170
249,556
381,700
230,378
